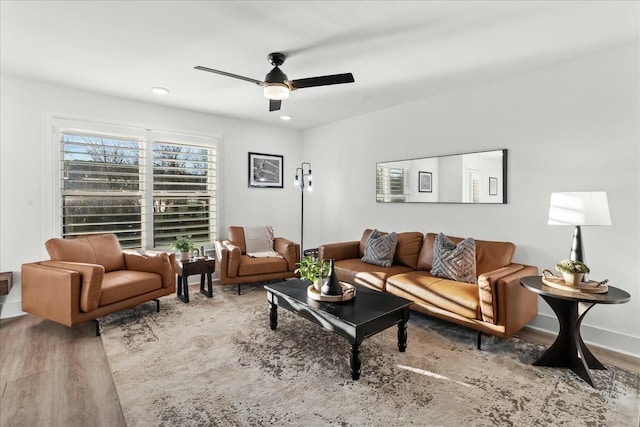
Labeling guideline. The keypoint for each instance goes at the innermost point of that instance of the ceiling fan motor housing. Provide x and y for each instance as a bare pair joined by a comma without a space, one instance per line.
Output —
275,76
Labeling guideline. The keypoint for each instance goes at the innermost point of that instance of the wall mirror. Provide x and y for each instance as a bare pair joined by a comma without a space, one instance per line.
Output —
479,177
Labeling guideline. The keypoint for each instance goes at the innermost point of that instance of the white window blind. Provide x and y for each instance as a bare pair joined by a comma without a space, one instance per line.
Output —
184,182
391,184
147,187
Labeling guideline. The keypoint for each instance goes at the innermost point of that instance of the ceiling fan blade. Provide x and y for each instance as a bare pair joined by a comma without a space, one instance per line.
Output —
224,73
334,79
274,104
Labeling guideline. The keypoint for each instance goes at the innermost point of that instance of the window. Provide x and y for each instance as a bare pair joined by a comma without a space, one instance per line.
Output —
183,182
147,187
391,184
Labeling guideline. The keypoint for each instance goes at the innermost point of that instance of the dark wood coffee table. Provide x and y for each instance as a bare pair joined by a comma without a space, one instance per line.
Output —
367,314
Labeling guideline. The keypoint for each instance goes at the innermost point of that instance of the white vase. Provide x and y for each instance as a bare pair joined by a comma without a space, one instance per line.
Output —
572,279
184,256
318,284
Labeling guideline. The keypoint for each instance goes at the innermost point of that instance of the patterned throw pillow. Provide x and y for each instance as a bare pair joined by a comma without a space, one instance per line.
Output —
455,262
379,249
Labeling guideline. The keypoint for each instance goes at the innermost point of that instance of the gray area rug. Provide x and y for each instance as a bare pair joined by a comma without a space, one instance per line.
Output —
216,362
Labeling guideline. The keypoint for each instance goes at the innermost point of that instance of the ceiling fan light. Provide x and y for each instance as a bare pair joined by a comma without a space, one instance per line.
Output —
277,91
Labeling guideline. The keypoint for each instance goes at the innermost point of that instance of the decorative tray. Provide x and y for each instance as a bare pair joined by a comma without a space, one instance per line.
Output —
348,293
590,287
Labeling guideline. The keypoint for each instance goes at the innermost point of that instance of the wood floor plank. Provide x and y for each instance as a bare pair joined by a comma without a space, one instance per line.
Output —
55,375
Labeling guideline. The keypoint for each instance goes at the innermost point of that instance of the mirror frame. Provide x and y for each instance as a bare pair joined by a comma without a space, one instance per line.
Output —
428,181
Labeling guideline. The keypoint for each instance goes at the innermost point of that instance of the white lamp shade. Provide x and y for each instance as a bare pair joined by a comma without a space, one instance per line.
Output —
579,208
277,91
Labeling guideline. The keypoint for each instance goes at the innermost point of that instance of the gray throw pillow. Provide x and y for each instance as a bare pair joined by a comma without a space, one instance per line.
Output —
379,249
455,262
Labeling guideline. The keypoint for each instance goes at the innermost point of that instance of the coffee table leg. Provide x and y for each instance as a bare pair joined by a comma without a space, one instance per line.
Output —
402,336
355,361
273,316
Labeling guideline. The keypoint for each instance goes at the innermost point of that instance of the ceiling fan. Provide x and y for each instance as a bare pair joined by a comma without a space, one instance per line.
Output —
277,86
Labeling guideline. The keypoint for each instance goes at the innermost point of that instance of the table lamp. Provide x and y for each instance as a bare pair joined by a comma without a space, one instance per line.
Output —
579,208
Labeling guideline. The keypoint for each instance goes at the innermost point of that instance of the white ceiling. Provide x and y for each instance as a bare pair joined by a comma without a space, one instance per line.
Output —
397,51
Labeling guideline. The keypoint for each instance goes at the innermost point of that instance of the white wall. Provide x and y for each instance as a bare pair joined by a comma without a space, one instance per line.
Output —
570,127
26,205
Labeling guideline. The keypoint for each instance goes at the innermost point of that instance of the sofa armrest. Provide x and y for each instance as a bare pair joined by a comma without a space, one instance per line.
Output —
221,255
51,293
227,259
338,251
153,262
91,276
289,250
503,300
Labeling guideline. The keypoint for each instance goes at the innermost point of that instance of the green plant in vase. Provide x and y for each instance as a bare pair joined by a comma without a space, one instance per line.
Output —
572,271
313,270
184,245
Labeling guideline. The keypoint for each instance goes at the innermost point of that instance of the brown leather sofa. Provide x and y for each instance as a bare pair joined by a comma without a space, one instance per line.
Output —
92,276
235,267
497,305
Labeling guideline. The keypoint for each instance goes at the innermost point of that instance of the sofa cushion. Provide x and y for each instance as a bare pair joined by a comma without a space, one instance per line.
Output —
490,255
124,284
102,249
353,270
454,261
456,297
407,247
152,262
380,249
250,266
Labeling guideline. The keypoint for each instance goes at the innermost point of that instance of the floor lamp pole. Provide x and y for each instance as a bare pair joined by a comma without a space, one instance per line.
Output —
301,174
302,223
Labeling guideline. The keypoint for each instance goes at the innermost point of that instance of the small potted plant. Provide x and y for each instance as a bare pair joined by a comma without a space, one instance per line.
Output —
312,269
185,246
572,271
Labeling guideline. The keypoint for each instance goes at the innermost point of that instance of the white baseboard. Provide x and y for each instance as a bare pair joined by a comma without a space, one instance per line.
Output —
610,340
10,309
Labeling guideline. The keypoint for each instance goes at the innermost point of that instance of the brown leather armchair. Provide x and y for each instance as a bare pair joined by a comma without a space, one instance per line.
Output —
235,267
92,276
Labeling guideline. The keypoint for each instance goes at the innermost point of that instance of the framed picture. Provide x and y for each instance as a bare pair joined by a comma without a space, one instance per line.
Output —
424,182
265,170
493,186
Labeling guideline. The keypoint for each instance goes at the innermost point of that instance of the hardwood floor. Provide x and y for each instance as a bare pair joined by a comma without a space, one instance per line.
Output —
51,375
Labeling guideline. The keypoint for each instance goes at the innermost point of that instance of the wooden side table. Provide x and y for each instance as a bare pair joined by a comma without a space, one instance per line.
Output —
186,268
568,350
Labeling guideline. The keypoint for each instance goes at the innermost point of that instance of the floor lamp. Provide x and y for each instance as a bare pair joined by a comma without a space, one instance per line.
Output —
577,209
304,171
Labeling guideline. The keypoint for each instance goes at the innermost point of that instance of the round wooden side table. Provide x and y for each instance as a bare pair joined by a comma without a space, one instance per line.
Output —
568,350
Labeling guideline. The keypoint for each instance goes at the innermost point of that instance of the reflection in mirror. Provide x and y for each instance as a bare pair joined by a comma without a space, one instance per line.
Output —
479,177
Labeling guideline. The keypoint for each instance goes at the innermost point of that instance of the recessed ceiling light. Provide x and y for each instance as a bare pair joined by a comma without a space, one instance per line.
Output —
160,90
286,117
